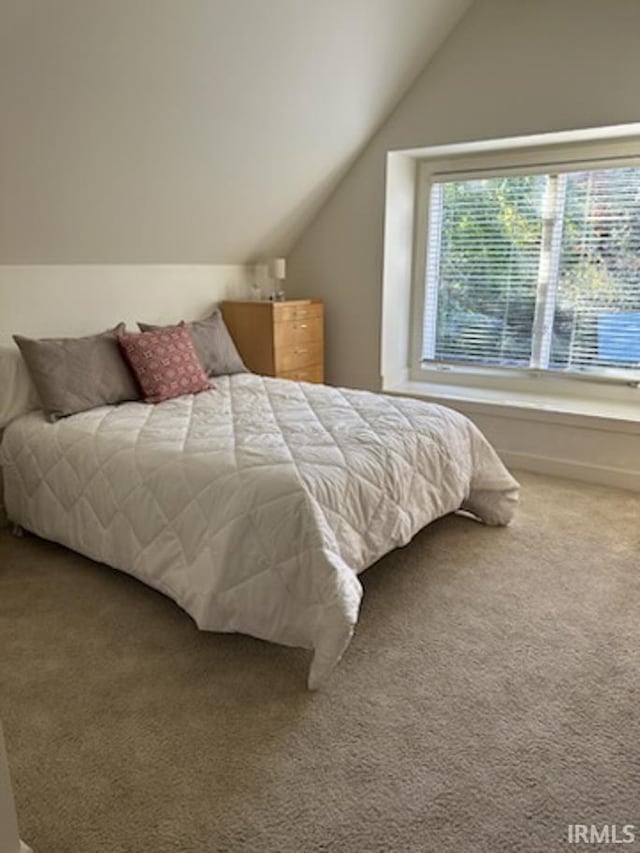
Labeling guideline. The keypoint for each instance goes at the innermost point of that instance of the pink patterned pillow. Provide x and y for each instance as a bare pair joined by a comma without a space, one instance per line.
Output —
165,363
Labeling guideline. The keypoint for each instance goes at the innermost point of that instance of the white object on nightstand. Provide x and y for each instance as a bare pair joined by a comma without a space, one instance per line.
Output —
277,269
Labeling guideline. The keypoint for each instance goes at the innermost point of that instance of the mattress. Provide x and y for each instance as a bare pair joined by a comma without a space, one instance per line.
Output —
254,506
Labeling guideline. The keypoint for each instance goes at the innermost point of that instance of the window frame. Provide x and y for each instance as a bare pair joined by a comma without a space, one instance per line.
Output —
565,157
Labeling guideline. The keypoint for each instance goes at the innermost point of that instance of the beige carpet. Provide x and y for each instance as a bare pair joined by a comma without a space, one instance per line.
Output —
491,696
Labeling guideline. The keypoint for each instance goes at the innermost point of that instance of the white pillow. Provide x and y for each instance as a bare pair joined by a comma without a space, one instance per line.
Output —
17,392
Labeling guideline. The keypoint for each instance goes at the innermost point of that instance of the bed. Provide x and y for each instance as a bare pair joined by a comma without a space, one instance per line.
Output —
255,505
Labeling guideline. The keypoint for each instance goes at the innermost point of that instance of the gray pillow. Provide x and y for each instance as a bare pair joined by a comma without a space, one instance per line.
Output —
213,343
75,374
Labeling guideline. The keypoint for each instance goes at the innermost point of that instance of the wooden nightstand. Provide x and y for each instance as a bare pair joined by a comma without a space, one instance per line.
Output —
283,339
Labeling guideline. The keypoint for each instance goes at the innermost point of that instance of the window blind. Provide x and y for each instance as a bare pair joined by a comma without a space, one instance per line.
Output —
535,271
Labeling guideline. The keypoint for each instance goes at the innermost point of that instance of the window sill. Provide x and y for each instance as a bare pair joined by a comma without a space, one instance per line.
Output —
610,416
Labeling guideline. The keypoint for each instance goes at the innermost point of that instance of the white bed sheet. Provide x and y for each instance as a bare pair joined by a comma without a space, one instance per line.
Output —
255,505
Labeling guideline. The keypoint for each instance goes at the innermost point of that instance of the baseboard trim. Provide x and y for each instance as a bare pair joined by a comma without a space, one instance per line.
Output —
599,475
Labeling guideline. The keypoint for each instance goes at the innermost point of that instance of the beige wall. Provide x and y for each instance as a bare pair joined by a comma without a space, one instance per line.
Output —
57,301
511,67
207,131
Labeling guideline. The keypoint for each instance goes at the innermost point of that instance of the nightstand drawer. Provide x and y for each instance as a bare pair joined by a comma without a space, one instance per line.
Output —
294,332
299,355
284,312
304,374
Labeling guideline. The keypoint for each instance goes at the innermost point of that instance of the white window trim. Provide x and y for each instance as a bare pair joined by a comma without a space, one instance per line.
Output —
608,387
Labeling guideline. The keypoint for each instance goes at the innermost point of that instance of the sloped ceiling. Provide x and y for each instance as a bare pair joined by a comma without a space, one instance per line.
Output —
191,130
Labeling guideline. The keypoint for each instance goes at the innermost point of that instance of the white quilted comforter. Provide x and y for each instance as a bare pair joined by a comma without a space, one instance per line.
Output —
255,505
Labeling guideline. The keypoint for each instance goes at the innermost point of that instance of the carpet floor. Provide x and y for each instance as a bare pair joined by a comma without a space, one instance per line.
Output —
490,697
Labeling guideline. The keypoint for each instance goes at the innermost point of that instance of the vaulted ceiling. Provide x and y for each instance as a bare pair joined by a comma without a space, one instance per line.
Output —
191,130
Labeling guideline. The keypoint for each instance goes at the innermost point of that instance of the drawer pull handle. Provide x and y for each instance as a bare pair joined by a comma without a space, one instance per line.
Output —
303,325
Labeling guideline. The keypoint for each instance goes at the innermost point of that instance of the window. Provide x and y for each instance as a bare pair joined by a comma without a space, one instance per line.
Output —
534,269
